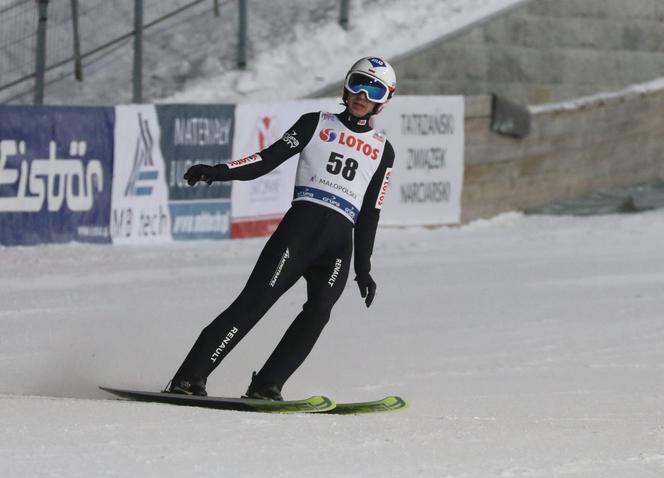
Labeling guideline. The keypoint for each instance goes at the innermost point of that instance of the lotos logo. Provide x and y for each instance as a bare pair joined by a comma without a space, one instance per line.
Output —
383,188
358,145
328,135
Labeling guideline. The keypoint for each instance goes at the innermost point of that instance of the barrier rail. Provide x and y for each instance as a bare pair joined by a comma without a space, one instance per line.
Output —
81,36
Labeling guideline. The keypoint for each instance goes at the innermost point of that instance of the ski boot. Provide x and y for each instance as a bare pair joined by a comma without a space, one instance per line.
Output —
183,386
263,391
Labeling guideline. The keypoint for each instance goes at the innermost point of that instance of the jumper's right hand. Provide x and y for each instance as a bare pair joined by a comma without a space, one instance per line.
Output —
200,172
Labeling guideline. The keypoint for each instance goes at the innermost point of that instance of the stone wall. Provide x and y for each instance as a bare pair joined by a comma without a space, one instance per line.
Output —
543,51
547,50
572,150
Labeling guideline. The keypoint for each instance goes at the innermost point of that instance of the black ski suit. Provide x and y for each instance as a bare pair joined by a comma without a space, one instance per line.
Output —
312,241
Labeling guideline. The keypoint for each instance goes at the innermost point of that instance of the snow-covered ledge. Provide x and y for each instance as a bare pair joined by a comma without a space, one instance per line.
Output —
600,99
575,147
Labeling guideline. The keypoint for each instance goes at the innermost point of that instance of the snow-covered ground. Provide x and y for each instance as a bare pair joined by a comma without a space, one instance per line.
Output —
527,345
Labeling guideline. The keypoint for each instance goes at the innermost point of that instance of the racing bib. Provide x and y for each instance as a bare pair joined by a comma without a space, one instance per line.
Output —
336,166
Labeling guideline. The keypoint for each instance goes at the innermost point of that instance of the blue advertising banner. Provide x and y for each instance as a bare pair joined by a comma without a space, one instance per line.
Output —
194,220
56,164
197,134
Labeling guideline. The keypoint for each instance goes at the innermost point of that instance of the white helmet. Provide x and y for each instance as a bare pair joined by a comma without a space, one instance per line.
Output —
375,77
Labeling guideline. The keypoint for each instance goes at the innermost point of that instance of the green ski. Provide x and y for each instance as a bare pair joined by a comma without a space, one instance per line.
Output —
315,404
387,404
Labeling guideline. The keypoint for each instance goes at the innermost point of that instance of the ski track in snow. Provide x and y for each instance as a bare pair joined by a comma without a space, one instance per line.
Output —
528,346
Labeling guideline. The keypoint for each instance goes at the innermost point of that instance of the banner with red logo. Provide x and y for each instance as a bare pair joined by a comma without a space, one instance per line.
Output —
427,133
258,205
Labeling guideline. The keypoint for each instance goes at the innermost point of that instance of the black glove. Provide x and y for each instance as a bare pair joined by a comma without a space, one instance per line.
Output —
200,172
367,287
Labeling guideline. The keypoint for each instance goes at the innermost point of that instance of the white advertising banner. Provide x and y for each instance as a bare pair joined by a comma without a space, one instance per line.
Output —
258,205
139,206
427,133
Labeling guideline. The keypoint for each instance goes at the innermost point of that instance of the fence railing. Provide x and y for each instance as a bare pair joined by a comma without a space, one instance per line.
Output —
39,38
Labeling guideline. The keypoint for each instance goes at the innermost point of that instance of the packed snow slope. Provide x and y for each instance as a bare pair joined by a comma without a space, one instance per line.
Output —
295,47
527,346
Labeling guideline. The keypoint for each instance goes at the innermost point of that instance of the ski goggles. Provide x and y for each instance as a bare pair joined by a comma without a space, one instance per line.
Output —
376,90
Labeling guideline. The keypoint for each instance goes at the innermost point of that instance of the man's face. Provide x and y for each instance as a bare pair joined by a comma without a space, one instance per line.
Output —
358,104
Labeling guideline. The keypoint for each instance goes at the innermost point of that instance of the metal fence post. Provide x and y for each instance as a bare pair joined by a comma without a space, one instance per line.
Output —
78,65
138,52
40,57
343,14
242,36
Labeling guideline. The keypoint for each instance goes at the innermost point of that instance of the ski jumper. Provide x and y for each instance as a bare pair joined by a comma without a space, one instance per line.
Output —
342,175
